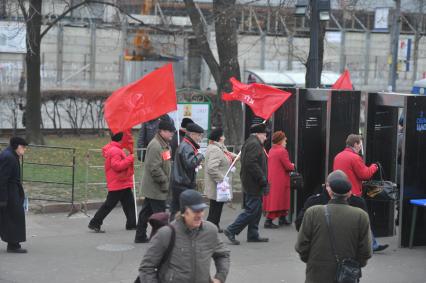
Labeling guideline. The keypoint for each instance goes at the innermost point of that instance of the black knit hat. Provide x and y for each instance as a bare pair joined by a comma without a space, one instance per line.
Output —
117,137
338,182
215,134
167,126
192,199
194,128
185,122
17,141
258,129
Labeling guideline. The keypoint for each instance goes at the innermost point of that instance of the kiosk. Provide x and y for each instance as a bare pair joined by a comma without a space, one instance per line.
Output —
381,145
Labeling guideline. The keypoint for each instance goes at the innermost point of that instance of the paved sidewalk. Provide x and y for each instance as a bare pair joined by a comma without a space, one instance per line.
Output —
62,249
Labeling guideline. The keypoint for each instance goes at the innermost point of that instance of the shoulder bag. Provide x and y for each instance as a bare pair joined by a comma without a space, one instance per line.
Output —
348,269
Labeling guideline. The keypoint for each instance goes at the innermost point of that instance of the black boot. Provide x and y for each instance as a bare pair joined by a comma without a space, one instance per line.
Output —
269,225
283,221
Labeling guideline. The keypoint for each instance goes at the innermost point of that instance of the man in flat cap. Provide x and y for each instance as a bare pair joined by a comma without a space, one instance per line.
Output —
12,213
254,178
350,228
156,176
186,164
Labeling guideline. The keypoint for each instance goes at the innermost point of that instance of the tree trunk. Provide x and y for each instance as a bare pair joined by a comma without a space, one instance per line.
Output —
310,64
227,45
33,107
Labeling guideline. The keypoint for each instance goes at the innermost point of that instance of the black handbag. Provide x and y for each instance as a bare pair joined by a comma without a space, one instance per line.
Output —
296,180
380,189
348,269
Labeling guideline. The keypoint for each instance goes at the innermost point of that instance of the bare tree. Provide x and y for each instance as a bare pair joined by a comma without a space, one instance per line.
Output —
227,66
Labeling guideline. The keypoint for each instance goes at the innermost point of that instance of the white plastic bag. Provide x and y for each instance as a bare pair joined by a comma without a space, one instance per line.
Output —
223,191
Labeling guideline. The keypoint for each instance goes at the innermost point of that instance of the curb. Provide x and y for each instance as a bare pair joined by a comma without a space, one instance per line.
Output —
55,207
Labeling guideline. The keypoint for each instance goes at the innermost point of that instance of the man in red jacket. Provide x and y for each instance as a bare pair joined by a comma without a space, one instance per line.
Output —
119,177
350,162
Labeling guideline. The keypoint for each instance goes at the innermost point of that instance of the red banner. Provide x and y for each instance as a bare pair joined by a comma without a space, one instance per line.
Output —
264,100
141,101
343,82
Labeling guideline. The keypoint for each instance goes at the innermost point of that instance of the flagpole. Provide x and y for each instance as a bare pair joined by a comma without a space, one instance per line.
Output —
134,196
177,118
236,158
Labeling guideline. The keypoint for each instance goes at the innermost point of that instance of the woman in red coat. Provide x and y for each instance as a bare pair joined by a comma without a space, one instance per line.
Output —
277,203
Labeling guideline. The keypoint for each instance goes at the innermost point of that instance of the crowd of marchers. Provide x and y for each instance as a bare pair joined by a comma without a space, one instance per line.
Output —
333,226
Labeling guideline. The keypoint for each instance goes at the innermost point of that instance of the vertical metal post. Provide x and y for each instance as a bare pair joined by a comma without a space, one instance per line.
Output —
92,54
123,48
343,45
394,49
73,178
367,56
290,52
59,54
314,79
262,50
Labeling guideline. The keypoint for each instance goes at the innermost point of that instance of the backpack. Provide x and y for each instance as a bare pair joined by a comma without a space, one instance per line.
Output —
158,220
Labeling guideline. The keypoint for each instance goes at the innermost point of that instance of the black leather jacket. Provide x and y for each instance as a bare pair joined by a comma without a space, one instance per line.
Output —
186,161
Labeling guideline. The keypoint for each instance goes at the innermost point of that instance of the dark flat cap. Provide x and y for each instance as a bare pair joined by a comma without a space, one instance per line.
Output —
215,134
339,182
194,128
185,122
166,126
258,129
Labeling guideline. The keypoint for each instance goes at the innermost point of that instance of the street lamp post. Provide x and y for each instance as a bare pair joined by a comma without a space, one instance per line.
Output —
319,11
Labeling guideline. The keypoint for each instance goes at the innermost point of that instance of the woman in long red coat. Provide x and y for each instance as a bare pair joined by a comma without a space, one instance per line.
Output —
277,203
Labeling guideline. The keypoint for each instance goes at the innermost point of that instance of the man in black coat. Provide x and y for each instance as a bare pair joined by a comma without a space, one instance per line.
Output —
254,178
12,213
186,164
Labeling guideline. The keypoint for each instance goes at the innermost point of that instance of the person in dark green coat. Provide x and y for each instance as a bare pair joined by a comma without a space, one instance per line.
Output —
350,226
155,179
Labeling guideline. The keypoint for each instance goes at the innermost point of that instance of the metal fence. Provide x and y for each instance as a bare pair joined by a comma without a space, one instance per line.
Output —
44,177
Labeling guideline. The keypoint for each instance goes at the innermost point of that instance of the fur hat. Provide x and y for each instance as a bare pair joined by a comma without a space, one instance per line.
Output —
166,126
258,129
185,122
194,128
215,134
17,141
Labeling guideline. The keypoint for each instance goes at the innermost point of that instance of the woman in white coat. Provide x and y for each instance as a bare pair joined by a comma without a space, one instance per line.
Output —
218,160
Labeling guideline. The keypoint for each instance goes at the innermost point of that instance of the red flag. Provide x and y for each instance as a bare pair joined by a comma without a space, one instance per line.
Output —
262,99
127,140
141,101
344,81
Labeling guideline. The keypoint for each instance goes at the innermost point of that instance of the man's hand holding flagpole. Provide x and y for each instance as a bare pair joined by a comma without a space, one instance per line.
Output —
137,102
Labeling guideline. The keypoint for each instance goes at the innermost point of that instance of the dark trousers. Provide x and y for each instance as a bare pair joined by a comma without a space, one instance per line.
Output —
175,205
250,217
215,211
125,197
149,207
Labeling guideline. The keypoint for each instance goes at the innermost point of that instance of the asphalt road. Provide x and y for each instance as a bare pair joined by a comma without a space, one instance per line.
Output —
62,249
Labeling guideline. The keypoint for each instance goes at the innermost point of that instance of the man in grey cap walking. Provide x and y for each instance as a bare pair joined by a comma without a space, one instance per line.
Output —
349,225
182,251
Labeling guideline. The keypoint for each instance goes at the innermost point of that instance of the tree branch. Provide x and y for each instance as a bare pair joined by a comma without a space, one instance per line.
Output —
204,47
24,12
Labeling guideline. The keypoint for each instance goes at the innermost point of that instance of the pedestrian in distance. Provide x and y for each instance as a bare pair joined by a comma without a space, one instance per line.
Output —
350,162
277,203
119,177
345,235
156,176
12,196
186,165
255,184
182,251
218,160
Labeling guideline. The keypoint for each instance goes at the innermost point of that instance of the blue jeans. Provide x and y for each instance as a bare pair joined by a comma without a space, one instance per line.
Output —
374,241
250,217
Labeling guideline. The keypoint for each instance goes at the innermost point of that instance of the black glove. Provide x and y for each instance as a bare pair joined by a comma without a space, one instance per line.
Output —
3,204
265,190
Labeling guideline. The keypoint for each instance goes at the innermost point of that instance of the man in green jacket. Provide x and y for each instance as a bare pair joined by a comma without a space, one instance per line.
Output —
155,179
196,243
350,226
